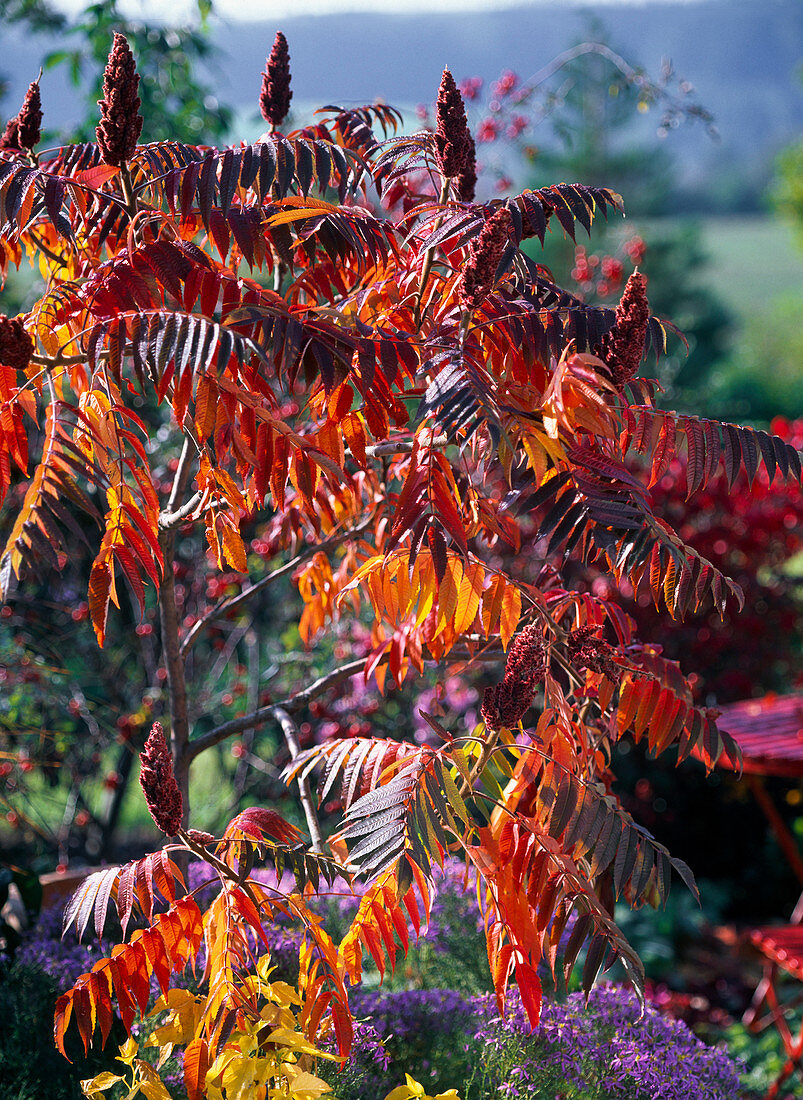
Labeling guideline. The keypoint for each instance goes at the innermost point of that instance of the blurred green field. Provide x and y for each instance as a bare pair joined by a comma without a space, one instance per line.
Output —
753,261
753,264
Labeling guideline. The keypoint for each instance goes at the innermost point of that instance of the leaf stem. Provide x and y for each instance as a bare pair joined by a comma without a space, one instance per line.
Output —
429,256
128,192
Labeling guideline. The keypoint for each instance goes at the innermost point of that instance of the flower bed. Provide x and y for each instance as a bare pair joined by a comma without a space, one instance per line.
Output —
605,1049
448,1037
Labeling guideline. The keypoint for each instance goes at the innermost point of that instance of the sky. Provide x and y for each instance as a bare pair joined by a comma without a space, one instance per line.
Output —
253,10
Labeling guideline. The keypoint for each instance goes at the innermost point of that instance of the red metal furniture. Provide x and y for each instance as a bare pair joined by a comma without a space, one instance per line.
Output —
769,732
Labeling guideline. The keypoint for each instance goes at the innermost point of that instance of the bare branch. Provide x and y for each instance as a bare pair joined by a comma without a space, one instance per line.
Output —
262,714
305,794
180,480
400,447
233,601
168,520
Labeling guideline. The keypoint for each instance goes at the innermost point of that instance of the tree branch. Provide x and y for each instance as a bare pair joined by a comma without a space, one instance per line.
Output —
233,601
51,362
174,662
259,716
305,794
168,520
400,447
182,472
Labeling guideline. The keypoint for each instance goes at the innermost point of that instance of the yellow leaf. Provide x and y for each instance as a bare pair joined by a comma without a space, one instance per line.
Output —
303,1085
150,1082
459,759
407,1091
181,1025
154,1090
103,1081
294,1040
240,1075
164,1053
456,803
128,1051
283,994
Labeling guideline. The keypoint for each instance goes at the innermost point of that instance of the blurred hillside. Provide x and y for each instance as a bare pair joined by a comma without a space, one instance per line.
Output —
742,57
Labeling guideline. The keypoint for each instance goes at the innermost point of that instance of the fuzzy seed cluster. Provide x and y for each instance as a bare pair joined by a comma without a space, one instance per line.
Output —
452,135
505,703
484,256
16,346
623,347
24,130
120,121
586,650
275,96
159,783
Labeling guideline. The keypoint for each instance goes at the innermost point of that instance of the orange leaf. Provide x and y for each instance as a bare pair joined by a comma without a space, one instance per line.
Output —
205,397
196,1064
330,441
96,177
468,596
354,434
344,1027
82,1003
100,582
530,988
511,613
233,548
61,1020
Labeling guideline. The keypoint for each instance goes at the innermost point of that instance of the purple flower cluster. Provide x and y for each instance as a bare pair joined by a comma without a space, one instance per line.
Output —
412,1012
63,960
606,1048
366,1071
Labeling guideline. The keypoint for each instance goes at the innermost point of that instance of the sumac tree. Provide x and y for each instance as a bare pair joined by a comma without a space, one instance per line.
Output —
375,367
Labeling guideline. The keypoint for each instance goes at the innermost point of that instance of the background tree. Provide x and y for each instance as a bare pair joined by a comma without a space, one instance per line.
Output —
787,191
590,135
575,120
